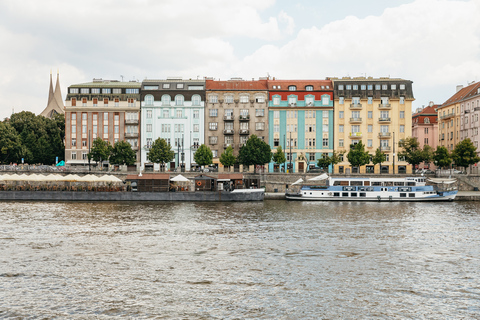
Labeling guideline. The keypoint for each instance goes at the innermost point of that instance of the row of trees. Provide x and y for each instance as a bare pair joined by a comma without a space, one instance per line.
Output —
35,139
121,153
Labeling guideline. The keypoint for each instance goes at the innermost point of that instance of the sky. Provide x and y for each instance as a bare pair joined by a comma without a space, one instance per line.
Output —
434,43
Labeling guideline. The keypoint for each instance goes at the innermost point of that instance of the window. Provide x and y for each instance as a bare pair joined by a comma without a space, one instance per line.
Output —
402,87
195,87
292,100
85,90
74,142
340,142
243,99
166,113
325,114
74,156
196,128
213,125
292,88
132,91
370,114
425,130
166,100
260,99
402,128
276,101
212,140
179,100
377,87
276,114
340,114
179,113
370,100
259,112
369,143
384,87
213,99
325,142
259,125
150,87
149,127
84,102
166,86
196,100
384,129
309,88
341,100
179,85
393,87
244,113
355,87
349,87
355,114
363,87
276,128
340,128
229,112
325,100
325,128
384,114
196,114
370,128
213,112
73,90
276,142
228,99
402,114
309,100
402,100
149,114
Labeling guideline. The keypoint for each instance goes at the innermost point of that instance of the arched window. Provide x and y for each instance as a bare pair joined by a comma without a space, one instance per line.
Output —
196,100
179,100
166,100
309,88
149,100
292,88
426,120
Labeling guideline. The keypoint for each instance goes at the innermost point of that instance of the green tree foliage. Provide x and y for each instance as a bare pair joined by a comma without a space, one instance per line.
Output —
465,154
227,158
357,156
379,157
41,139
10,144
428,154
411,152
254,152
279,156
122,153
100,151
325,161
160,152
442,158
203,156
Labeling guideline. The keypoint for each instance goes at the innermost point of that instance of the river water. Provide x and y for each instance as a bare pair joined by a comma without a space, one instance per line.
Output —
265,260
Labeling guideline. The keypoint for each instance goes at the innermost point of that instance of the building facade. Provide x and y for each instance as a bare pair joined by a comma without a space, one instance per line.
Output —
300,118
425,129
106,109
458,117
173,109
377,112
235,109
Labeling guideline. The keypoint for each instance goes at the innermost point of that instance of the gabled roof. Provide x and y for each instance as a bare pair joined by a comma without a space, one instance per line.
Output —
427,112
462,94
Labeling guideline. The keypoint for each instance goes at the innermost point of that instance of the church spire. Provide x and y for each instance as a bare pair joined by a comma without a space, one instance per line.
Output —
50,92
55,102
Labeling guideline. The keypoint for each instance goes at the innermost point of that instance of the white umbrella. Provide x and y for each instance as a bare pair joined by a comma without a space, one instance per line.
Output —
179,178
298,181
323,176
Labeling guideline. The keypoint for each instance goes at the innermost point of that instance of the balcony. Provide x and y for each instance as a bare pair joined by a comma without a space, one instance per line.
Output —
384,135
228,131
131,121
229,118
355,135
244,118
448,115
384,120
241,145
131,135
385,148
355,106
384,106
226,145
355,120
244,131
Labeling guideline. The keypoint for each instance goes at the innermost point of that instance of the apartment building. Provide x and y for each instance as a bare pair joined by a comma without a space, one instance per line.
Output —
376,112
235,109
300,121
106,109
425,128
173,109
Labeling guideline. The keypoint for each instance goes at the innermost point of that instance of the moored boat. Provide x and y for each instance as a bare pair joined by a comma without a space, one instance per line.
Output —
376,189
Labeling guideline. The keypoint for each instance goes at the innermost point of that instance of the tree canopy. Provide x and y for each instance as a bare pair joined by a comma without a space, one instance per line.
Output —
203,156
357,156
255,152
279,156
412,153
122,153
227,158
100,150
160,152
442,158
379,157
465,153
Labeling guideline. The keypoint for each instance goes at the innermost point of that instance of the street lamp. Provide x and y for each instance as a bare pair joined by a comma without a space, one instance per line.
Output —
394,153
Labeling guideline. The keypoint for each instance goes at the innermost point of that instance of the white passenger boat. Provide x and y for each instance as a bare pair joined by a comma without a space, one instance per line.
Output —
376,189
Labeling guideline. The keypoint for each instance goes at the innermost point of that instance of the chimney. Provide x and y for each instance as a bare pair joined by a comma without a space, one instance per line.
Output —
430,104
459,87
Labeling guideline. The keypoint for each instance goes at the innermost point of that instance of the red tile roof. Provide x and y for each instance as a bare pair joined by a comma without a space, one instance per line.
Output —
300,84
236,85
462,94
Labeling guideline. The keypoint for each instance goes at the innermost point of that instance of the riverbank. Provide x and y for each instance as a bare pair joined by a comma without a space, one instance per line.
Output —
461,196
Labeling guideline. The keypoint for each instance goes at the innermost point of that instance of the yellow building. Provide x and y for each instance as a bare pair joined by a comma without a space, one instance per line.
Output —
377,112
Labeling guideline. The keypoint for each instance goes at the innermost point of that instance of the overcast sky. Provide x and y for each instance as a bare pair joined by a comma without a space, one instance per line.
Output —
434,43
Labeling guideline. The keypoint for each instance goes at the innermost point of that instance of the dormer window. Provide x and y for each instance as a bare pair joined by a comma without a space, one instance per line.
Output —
292,88
309,88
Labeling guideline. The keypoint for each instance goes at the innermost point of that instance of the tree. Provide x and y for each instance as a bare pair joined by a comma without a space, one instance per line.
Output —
357,156
227,158
379,157
203,156
411,151
160,152
428,154
122,153
100,151
254,152
465,153
279,156
442,158
10,144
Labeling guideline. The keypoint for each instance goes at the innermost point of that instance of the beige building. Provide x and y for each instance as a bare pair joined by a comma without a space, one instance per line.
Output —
234,110
100,109
377,112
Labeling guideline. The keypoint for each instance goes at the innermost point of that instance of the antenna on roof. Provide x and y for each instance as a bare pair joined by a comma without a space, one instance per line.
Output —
121,77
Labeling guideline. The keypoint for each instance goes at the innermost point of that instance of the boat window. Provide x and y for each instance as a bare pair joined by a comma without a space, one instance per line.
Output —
353,194
344,183
337,183
336,194
399,183
344,194
363,194
411,195
411,183
388,183
356,183
376,183
403,195
366,183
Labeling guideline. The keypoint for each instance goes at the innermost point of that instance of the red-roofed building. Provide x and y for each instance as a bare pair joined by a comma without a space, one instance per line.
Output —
425,127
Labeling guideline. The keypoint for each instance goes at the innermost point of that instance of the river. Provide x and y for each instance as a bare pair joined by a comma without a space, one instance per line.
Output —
262,260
